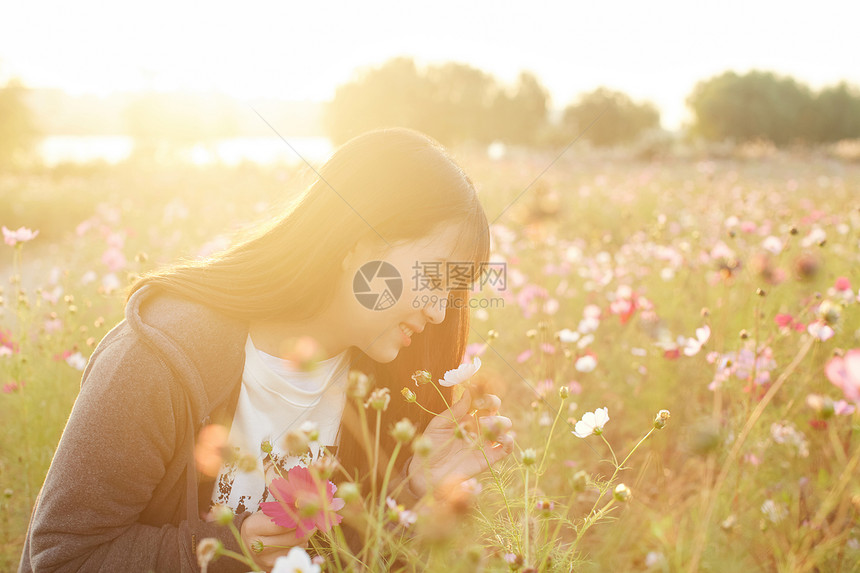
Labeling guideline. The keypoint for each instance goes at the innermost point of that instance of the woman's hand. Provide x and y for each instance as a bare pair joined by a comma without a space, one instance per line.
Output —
258,527
453,460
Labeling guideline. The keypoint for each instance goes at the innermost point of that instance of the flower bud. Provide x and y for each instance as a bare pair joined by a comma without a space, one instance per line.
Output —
257,546
296,442
403,430
661,419
579,480
325,466
207,551
358,384
349,492
563,392
622,493
408,395
529,457
311,430
544,506
266,447
223,514
422,446
728,523
829,311
379,399
822,405
422,377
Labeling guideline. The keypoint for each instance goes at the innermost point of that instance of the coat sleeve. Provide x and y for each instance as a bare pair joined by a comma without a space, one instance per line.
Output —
125,427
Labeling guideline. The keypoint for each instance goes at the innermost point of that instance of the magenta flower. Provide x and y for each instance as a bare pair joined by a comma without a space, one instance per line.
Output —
298,503
844,373
21,235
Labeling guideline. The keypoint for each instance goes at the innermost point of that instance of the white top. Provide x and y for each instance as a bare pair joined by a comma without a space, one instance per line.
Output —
274,399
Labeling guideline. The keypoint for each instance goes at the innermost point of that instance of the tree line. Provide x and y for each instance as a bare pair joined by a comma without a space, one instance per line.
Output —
455,103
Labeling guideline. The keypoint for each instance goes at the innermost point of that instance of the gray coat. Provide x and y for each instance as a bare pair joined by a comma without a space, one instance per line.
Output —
122,492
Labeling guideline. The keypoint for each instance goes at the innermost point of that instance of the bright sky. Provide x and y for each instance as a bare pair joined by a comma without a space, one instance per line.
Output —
654,50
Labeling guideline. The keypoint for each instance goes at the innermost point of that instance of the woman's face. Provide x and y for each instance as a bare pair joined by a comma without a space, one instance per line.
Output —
375,317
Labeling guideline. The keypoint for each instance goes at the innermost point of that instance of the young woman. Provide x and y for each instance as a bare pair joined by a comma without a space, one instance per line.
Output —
203,343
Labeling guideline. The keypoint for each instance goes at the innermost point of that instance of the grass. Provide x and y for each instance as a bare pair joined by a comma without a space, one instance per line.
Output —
745,475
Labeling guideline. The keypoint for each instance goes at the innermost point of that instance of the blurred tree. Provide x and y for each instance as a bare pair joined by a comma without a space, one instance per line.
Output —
394,94
17,124
461,99
621,119
837,113
519,115
452,102
758,105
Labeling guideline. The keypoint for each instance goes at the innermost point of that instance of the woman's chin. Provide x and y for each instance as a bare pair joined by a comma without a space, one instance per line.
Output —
384,355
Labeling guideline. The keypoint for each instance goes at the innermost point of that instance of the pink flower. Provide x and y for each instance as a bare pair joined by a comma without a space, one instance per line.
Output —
842,283
844,373
21,235
114,259
7,345
10,387
523,356
299,504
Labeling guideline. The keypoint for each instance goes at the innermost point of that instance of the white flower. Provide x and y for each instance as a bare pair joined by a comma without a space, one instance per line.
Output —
815,236
591,423
586,363
461,374
296,561
21,235
772,245
820,330
692,346
585,341
775,512
568,335
588,324
77,361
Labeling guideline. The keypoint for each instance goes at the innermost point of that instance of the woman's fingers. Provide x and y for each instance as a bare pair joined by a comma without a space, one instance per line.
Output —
488,404
288,539
266,527
503,447
275,546
502,423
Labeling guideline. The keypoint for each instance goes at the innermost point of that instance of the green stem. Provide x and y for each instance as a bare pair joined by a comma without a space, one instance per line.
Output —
526,518
549,439
603,491
240,558
238,537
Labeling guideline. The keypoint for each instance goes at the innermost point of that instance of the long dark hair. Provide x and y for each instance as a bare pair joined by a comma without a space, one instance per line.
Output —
395,183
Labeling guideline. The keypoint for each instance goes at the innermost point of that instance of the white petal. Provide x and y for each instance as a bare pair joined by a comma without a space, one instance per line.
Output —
582,430
601,416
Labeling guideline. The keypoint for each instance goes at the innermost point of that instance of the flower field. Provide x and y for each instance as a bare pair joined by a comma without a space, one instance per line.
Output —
677,344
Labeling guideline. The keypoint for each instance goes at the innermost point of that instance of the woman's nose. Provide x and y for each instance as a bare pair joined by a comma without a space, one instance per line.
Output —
435,311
